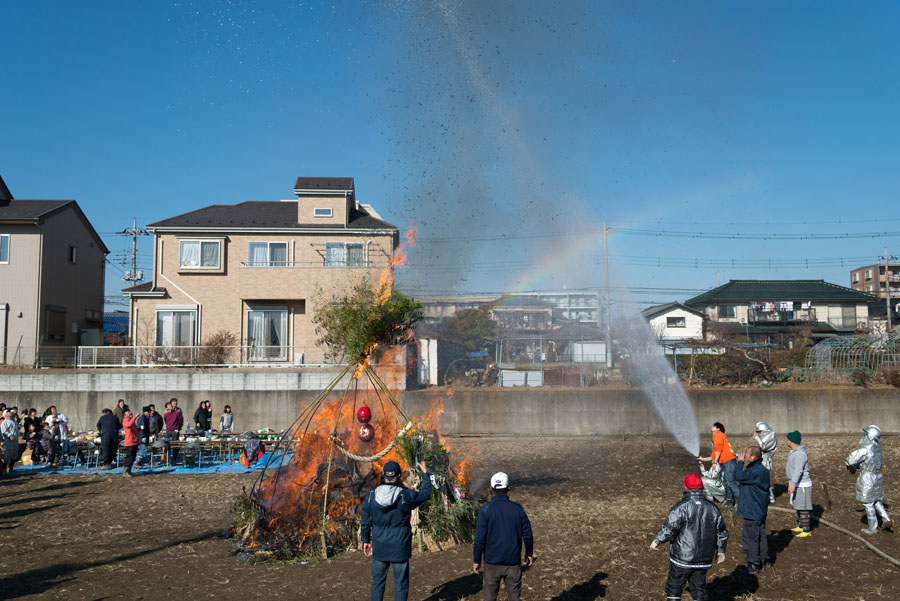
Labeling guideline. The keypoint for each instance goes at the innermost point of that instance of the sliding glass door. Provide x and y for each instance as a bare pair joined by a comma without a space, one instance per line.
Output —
267,334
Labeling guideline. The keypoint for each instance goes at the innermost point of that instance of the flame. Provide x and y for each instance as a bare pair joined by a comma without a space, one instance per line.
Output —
386,279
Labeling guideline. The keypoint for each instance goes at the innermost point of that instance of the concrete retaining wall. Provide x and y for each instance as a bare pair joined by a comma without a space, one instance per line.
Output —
273,400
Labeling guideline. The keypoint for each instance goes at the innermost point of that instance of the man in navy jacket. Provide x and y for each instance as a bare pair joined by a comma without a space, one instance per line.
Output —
753,506
385,529
502,528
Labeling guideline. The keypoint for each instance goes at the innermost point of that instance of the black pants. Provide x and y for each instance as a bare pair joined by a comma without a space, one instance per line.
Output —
109,441
511,575
695,578
130,454
754,543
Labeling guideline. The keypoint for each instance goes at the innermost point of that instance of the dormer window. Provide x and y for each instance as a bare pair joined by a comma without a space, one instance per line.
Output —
323,212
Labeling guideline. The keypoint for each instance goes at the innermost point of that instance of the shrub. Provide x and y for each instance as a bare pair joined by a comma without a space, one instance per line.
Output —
217,348
891,376
781,359
860,377
727,368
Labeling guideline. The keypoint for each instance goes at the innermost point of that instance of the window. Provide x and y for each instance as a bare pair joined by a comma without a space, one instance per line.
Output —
4,248
322,212
842,316
73,254
855,277
676,322
200,254
268,254
175,328
56,324
868,274
342,254
727,311
267,334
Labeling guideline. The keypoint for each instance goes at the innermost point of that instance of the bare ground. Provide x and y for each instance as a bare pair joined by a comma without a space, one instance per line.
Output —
594,504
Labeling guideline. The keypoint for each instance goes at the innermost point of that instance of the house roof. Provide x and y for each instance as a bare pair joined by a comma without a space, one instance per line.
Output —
878,308
5,194
144,289
324,184
773,290
36,211
819,327
659,309
262,215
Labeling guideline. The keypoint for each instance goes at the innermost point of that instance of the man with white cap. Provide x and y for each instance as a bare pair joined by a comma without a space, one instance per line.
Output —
9,429
869,484
501,530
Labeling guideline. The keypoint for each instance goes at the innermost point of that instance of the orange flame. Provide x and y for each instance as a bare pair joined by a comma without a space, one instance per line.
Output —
386,280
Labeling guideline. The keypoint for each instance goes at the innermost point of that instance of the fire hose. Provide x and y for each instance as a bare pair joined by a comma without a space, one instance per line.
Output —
877,551
339,444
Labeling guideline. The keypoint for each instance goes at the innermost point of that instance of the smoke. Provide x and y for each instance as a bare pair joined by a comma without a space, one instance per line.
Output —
468,107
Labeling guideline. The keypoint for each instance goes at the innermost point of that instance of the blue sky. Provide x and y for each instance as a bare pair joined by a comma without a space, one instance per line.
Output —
506,131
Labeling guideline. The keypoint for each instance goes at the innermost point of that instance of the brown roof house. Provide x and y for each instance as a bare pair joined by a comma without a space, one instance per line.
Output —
52,269
252,269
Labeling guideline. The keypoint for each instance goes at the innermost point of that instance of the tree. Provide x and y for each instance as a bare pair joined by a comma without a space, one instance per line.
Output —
469,327
353,325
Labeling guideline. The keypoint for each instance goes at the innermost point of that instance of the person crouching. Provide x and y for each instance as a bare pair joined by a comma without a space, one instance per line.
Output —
695,532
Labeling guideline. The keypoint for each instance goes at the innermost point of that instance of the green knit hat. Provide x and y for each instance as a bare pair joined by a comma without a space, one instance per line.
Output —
794,437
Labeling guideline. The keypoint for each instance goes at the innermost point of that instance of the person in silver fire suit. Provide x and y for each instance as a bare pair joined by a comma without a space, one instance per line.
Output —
695,532
766,440
869,484
713,487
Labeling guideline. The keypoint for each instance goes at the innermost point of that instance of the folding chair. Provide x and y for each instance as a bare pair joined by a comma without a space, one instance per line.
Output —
159,453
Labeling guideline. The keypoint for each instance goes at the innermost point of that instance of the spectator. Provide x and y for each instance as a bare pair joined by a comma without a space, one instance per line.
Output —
9,431
695,530
174,420
501,530
156,422
32,445
724,456
386,532
753,477
209,415
226,421
799,483
120,410
143,426
131,442
50,441
32,418
109,426
201,418
2,454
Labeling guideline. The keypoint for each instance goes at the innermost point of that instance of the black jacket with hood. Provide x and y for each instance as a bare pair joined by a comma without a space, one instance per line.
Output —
385,519
695,531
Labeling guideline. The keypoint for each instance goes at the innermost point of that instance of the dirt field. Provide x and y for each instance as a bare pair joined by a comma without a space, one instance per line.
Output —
594,504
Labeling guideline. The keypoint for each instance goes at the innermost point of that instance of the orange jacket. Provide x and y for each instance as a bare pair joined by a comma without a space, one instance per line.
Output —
131,431
722,447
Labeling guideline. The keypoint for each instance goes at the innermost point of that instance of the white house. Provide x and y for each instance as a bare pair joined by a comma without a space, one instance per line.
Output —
674,321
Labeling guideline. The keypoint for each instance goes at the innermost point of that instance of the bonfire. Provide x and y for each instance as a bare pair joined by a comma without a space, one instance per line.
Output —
306,501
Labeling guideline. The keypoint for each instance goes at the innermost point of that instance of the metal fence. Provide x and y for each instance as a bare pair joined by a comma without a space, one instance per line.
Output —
200,356
863,351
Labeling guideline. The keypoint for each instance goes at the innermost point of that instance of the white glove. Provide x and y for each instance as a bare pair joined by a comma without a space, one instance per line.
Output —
653,545
721,558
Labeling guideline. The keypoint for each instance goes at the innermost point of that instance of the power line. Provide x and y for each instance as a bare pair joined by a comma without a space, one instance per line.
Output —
749,236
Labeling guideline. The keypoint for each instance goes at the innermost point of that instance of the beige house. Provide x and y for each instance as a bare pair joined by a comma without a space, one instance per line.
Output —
52,267
253,269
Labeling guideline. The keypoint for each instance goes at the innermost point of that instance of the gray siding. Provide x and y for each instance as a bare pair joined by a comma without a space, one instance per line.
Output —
19,287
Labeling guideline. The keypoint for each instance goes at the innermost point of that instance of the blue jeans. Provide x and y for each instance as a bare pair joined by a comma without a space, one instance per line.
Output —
731,487
143,455
379,577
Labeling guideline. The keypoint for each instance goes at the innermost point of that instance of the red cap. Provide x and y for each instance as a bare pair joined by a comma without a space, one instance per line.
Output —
693,482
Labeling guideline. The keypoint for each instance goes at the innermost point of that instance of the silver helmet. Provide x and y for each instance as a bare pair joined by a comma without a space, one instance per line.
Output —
762,427
873,432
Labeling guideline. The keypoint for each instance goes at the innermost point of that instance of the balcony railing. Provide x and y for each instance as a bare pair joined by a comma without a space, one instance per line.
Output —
199,356
781,316
311,264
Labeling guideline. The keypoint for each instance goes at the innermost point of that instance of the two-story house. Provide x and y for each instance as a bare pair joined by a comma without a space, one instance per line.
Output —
775,311
675,322
253,269
52,269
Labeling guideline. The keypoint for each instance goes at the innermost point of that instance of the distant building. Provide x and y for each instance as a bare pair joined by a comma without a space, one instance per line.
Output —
675,322
520,310
253,269
115,327
52,269
776,311
872,280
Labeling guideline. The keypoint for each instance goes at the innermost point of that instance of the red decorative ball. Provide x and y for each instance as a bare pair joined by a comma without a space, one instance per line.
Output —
364,415
366,432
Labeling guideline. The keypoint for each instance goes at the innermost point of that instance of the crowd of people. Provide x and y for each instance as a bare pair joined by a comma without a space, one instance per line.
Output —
45,439
694,527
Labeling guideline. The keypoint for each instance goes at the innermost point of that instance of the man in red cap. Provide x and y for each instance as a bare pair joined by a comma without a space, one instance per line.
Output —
695,531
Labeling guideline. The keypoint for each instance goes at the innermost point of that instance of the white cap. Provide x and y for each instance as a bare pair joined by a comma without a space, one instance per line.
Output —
500,480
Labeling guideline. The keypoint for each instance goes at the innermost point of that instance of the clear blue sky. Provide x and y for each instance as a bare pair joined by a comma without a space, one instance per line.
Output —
507,133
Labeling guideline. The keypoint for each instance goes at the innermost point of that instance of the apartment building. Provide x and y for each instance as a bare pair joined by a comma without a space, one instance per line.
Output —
253,269
52,269
872,279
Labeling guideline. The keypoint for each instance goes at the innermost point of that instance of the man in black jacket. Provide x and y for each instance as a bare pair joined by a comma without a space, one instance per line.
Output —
201,418
385,530
109,427
753,506
695,530
501,530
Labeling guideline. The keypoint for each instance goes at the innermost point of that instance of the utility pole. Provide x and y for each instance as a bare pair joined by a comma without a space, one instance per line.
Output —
133,275
887,286
609,363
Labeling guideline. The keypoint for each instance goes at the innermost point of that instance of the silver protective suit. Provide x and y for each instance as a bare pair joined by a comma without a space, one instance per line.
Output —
768,443
867,458
713,488
695,531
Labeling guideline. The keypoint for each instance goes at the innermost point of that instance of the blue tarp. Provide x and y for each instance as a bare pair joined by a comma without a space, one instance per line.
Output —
218,468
